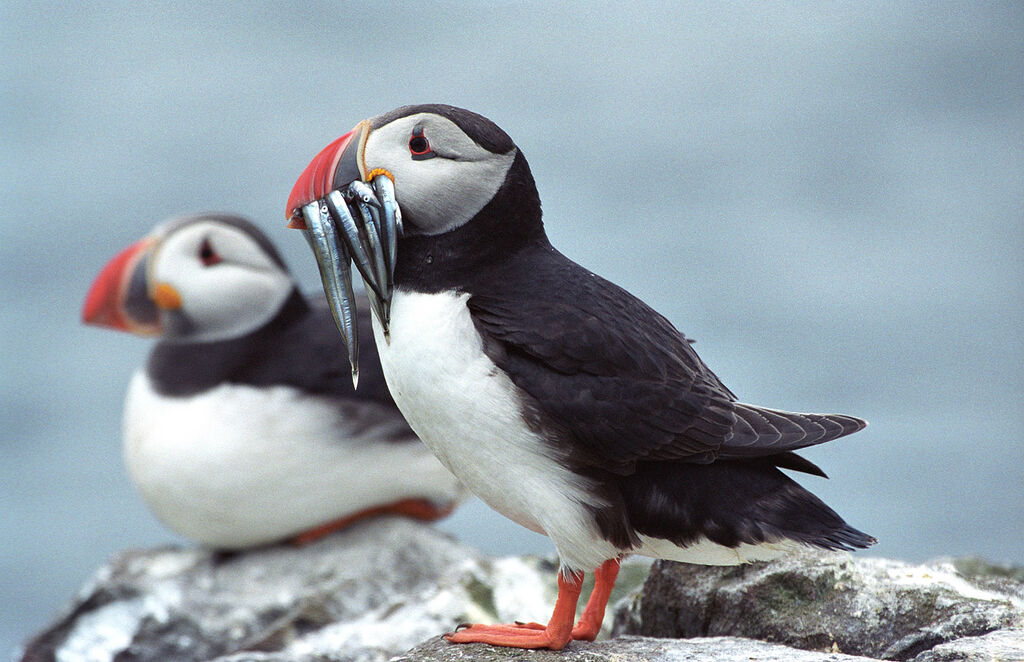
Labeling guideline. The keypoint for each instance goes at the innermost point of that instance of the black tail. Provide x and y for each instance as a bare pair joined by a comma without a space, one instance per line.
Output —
759,431
732,502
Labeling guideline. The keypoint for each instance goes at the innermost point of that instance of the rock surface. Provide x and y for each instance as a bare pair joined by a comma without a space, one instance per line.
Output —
627,649
385,586
372,591
814,601
1001,645
365,594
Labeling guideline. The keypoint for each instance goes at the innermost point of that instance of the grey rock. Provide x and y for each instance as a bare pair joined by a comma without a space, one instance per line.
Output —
627,648
998,646
993,576
380,588
363,595
819,601
625,613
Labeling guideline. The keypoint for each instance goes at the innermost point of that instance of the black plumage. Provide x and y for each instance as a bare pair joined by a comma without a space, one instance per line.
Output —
623,396
619,393
731,502
299,347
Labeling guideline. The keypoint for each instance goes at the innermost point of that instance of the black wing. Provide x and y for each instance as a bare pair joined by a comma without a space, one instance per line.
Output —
616,381
312,356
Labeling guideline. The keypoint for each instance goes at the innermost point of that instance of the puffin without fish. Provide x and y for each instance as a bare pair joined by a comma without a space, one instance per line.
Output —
243,427
563,401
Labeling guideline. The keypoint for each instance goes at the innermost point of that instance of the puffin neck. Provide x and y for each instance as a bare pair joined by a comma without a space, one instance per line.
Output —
187,368
508,223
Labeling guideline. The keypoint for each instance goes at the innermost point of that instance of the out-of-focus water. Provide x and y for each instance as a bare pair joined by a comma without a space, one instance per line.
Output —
831,200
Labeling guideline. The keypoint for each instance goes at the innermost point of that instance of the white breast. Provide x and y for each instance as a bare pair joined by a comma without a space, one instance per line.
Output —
239,466
467,411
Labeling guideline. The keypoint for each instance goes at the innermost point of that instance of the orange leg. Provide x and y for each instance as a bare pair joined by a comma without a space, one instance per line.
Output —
593,613
414,508
590,621
555,635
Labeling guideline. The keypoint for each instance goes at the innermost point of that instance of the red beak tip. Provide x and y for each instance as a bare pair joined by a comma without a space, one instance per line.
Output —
102,303
100,310
317,180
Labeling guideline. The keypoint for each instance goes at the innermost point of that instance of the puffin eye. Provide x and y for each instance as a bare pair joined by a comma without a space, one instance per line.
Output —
419,146
207,255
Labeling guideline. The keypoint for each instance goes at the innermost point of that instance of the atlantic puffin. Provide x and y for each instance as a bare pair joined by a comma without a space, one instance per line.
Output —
563,401
242,428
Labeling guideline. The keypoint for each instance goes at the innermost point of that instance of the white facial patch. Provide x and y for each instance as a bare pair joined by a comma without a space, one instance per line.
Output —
242,289
443,192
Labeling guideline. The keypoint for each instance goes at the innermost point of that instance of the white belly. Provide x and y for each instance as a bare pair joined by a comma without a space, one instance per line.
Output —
467,411
238,466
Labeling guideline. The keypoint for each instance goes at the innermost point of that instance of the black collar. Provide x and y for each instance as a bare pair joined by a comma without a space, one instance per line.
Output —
186,368
508,223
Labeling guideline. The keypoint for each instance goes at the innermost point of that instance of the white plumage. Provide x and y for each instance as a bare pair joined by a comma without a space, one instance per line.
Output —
238,465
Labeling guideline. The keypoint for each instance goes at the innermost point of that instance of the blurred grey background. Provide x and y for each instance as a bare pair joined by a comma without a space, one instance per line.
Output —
829,198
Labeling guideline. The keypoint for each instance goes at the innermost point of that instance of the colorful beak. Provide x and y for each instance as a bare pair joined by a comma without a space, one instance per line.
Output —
119,298
337,165
345,220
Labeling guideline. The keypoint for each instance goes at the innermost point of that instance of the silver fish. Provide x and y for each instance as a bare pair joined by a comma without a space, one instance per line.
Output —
360,223
333,259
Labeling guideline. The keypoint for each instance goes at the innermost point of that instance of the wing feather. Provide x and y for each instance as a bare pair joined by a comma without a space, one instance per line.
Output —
617,382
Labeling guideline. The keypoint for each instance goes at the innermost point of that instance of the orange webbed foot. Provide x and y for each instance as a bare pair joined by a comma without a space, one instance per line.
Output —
555,635
559,631
516,636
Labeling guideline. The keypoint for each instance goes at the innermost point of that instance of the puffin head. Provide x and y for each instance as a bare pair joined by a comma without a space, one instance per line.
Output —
446,164
416,172
198,278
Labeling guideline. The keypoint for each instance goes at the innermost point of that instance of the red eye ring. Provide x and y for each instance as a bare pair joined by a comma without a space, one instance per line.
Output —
419,146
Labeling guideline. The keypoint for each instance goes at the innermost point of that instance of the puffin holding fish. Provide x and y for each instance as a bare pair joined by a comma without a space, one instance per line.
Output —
561,400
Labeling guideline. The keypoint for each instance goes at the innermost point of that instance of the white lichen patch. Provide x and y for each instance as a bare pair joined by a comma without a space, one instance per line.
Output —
874,576
101,634
393,628
474,591
164,564
945,573
523,589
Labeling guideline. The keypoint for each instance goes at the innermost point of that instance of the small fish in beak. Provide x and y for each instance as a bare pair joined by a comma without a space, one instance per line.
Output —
360,223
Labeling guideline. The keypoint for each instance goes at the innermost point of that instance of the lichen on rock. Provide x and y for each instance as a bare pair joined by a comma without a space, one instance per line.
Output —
824,601
391,586
367,593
